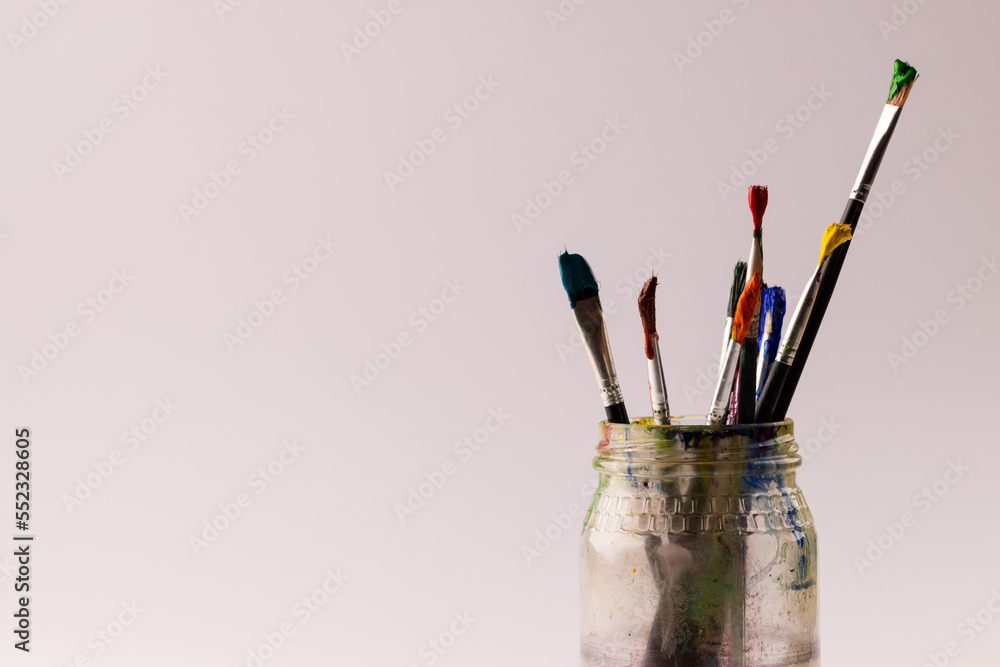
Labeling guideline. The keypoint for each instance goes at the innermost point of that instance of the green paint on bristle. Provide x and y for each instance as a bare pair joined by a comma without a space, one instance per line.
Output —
902,74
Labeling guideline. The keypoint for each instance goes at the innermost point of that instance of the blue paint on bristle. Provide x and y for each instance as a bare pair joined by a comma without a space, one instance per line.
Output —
766,303
772,300
778,311
577,278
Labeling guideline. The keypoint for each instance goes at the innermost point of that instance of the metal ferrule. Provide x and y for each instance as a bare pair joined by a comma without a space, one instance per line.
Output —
724,389
790,343
657,387
883,132
590,319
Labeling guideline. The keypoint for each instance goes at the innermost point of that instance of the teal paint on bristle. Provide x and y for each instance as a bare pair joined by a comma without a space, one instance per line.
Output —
902,74
577,278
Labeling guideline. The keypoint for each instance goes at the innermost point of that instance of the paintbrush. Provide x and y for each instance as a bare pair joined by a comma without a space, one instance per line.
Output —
746,385
784,377
741,324
731,413
739,281
772,315
582,288
657,387
834,236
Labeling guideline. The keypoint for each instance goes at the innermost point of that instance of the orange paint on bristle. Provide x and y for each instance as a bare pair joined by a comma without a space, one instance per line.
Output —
647,311
757,197
746,307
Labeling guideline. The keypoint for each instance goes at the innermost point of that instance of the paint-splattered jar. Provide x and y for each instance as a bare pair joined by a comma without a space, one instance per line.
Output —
698,549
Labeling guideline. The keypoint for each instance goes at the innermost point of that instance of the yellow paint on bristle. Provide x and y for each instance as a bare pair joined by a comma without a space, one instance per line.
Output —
834,236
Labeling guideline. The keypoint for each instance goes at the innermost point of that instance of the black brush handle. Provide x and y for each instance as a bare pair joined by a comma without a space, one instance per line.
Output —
616,413
828,276
769,395
746,389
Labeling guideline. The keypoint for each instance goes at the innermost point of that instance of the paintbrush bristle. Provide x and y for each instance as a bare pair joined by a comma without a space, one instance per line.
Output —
577,278
739,280
757,198
766,302
835,235
777,310
647,312
903,76
746,308
772,314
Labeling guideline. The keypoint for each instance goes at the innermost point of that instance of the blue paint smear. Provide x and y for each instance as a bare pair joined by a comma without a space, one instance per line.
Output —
759,477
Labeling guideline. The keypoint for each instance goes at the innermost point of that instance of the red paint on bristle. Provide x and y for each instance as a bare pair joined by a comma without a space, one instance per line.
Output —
647,311
757,196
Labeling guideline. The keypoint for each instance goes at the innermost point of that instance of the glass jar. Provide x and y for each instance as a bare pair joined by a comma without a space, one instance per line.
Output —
698,549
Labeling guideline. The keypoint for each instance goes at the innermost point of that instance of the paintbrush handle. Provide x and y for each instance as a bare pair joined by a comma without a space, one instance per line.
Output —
724,388
657,387
828,275
616,413
830,271
746,384
590,320
726,335
767,404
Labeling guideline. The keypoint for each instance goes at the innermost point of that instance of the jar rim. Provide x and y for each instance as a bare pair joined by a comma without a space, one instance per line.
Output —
695,441
691,423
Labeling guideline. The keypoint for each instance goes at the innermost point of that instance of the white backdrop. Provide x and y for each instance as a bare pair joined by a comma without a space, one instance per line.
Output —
216,213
